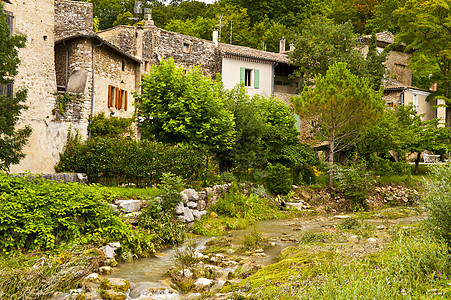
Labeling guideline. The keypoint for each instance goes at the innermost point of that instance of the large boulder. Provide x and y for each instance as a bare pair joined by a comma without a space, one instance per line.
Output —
115,284
191,194
129,206
179,209
188,215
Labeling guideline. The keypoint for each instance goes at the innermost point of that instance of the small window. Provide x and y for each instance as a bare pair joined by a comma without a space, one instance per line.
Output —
247,77
123,65
415,102
117,98
146,66
186,48
7,89
10,21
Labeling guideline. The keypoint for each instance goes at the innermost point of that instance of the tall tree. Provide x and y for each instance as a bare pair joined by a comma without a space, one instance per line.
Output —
343,104
426,30
185,108
12,139
320,44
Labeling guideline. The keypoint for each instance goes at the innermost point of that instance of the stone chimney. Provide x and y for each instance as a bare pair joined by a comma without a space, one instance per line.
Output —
282,45
291,47
215,36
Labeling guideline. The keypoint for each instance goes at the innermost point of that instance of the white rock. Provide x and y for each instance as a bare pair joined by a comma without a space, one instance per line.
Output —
186,272
184,197
202,212
92,277
381,227
197,214
108,251
191,204
179,209
132,217
192,194
354,238
193,296
372,240
115,245
201,205
188,215
113,207
203,282
129,205
341,217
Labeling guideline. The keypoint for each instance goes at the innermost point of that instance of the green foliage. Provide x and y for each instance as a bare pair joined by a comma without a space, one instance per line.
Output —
321,44
437,201
385,167
355,182
62,100
186,257
101,126
163,224
425,27
343,105
185,108
123,160
348,223
170,187
254,240
279,179
12,139
305,174
35,213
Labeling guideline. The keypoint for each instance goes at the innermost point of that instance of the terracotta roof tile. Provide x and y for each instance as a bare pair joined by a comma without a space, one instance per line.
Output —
253,53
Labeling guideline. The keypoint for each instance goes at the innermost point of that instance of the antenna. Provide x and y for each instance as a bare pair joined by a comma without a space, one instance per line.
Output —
220,26
137,9
231,30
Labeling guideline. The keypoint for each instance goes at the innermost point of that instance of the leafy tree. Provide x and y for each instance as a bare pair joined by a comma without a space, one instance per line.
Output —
200,27
343,104
185,108
426,30
12,140
320,44
383,18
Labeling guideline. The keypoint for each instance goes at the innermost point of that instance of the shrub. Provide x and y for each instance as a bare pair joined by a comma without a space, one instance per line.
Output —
254,240
279,179
383,167
305,174
437,201
228,177
117,160
109,127
35,213
171,186
355,182
163,224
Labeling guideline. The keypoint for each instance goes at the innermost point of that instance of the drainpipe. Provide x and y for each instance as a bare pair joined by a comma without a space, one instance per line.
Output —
67,64
275,64
92,89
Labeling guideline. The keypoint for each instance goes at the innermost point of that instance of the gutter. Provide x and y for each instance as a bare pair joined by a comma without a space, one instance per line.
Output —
67,65
92,89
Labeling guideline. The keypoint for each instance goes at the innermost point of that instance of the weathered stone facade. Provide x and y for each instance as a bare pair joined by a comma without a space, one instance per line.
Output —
72,18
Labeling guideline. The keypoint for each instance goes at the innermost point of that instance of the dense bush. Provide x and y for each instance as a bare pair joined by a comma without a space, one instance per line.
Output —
382,166
437,201
112,126
171,186
163,224
126,160
35,213
356,182
305,174
279,179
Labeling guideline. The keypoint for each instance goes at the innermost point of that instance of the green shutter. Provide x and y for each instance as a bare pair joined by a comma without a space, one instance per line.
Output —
256,78
242,75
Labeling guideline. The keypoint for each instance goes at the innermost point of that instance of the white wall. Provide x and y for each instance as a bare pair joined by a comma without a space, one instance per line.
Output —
231,75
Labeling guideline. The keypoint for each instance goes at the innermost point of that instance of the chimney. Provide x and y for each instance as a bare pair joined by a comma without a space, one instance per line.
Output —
291,47
282,45
215,36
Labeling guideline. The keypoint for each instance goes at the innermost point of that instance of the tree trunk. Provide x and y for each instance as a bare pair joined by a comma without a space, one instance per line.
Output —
417,162
331,163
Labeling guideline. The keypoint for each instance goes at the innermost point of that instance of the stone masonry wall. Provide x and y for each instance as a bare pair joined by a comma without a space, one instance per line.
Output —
72,18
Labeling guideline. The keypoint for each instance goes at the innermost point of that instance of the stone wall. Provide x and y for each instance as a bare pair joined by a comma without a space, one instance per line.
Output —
72,18
157,44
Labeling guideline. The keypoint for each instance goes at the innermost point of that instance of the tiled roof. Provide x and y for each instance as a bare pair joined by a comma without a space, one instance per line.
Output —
253,53
395,85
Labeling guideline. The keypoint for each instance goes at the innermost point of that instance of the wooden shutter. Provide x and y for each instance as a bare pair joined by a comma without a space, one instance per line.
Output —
118,98
110,96
242,75
256,78
125,100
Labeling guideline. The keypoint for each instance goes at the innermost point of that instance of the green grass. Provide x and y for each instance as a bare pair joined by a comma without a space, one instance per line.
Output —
132,192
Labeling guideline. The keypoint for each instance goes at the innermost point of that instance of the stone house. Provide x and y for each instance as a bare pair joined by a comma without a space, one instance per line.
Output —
398,89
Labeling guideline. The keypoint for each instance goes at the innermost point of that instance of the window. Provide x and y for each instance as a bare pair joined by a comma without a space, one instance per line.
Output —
7,89
123,65
250,77
186,48
10,21
146,66
117,98
415,102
